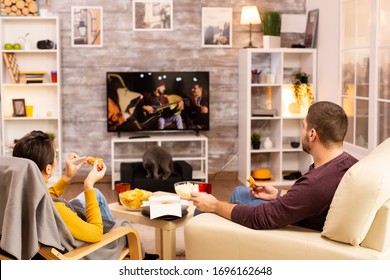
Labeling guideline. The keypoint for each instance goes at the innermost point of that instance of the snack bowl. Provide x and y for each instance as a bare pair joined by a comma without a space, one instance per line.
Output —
185,188
133,199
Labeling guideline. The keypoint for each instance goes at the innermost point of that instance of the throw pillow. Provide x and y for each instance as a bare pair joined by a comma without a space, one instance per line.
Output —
364,188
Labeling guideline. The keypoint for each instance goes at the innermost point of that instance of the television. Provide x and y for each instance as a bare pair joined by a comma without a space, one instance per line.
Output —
157,101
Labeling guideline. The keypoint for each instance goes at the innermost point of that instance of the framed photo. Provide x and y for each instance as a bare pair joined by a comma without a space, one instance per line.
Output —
311,28
217,27
19,107
87,26
152,15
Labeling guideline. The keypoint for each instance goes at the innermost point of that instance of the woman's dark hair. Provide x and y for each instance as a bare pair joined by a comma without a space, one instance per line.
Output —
329,120
36,146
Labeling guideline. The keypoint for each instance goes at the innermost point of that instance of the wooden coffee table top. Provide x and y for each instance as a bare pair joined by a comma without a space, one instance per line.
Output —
137,217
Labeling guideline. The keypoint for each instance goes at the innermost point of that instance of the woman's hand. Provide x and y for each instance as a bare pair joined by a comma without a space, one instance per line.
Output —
72,165
94,176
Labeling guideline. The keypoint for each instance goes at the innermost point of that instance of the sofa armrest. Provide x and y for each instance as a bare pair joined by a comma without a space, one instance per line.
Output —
209,236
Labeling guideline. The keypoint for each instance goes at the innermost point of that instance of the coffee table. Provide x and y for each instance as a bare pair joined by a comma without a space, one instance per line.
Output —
165,231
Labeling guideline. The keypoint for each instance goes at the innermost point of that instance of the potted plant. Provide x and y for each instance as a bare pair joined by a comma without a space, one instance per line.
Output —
255,140
51,135
302,89
272,23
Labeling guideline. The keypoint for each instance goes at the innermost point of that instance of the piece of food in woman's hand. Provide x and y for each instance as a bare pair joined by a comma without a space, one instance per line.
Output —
252,182
91,160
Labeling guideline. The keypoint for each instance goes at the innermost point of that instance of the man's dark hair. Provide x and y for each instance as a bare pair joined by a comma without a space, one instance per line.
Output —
329,120
202,84
36,146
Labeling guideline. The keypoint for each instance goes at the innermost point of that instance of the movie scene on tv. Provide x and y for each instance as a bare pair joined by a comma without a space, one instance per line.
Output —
157,101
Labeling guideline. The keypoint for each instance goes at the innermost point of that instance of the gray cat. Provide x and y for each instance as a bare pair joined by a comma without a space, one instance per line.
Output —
156,159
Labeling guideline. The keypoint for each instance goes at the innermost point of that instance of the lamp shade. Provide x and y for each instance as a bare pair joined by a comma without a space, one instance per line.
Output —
82,28
250,15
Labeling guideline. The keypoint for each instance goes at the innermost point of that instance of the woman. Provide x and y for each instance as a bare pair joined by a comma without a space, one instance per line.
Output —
87,216
38,147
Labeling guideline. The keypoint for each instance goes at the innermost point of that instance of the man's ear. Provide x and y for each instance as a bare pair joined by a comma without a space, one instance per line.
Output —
312,134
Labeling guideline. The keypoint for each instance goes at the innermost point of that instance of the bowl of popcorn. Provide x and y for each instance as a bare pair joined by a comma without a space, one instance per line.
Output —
184,189
133,199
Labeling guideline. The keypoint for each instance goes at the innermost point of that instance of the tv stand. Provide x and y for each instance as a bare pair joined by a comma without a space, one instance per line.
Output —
190,148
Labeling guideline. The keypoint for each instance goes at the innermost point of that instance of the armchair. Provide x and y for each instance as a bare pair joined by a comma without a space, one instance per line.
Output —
357,225
30,224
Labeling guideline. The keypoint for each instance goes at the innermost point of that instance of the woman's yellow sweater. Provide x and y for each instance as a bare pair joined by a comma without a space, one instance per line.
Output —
88,231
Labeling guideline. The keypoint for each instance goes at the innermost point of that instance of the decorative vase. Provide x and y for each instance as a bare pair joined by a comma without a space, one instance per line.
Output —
268,143
271,42
43,12
27,46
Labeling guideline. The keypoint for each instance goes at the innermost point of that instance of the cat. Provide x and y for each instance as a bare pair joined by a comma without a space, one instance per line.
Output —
156,159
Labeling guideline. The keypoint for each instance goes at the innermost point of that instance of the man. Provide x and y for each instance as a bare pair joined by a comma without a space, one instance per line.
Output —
157,106
196,108
307,203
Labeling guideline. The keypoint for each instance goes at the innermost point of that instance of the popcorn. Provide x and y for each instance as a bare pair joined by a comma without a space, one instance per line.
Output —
184,189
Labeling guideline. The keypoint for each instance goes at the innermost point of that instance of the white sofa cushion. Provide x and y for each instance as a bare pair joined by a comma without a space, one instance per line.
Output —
362,191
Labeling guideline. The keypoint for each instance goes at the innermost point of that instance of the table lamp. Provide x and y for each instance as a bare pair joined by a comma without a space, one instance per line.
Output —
250,15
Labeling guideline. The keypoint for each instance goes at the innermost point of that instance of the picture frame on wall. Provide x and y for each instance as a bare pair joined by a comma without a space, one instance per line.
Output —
87,26
311,28
152,15
217,27
19,107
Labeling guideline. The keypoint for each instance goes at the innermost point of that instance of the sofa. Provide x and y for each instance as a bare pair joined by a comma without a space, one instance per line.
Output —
135,174
357,225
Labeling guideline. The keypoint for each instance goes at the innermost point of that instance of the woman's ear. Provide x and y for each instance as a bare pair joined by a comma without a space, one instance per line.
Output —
48,171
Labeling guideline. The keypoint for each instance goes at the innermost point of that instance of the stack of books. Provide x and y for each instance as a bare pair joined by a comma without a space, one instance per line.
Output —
30,77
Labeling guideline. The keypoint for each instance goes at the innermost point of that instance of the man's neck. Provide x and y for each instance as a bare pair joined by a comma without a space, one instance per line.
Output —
324,155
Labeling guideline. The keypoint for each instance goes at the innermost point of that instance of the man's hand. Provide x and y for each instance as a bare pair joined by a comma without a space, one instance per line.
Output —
149,109
204,109
264,191
207,203
204,202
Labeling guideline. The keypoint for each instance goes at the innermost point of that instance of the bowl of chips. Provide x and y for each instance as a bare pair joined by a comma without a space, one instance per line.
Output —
133,199
184,189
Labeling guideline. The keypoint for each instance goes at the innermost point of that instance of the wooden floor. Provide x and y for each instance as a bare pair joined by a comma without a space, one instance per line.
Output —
222,185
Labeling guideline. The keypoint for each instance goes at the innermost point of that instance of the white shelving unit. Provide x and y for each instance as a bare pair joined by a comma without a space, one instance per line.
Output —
190,148
46,96
272,91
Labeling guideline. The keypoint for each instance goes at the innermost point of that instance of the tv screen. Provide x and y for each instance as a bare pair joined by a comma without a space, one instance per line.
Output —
157,101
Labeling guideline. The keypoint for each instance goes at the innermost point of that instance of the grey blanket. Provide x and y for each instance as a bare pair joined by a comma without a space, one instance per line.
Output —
28,215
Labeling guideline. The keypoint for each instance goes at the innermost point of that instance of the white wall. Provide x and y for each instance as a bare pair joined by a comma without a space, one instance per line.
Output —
328,39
